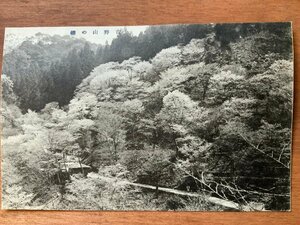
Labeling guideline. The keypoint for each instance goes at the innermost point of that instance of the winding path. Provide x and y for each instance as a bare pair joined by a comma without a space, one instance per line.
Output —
214,200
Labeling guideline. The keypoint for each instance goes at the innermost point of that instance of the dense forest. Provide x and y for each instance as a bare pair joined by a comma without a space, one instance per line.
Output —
201,111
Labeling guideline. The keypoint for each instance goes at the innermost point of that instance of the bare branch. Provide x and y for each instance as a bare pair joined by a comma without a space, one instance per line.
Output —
282,150
261,151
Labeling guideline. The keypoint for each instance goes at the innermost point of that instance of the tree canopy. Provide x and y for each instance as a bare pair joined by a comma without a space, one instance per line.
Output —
199,108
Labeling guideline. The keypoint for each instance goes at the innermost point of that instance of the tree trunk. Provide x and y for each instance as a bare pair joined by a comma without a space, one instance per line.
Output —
82,171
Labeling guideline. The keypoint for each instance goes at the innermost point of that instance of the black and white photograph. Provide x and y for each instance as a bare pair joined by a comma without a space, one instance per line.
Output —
180,117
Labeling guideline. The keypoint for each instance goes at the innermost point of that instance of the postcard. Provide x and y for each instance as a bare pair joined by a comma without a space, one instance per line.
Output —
186,117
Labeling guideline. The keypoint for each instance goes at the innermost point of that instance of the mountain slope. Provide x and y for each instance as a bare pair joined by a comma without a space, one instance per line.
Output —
28,66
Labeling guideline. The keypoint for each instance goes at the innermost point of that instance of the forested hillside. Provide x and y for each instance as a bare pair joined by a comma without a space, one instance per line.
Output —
204,109
48,68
